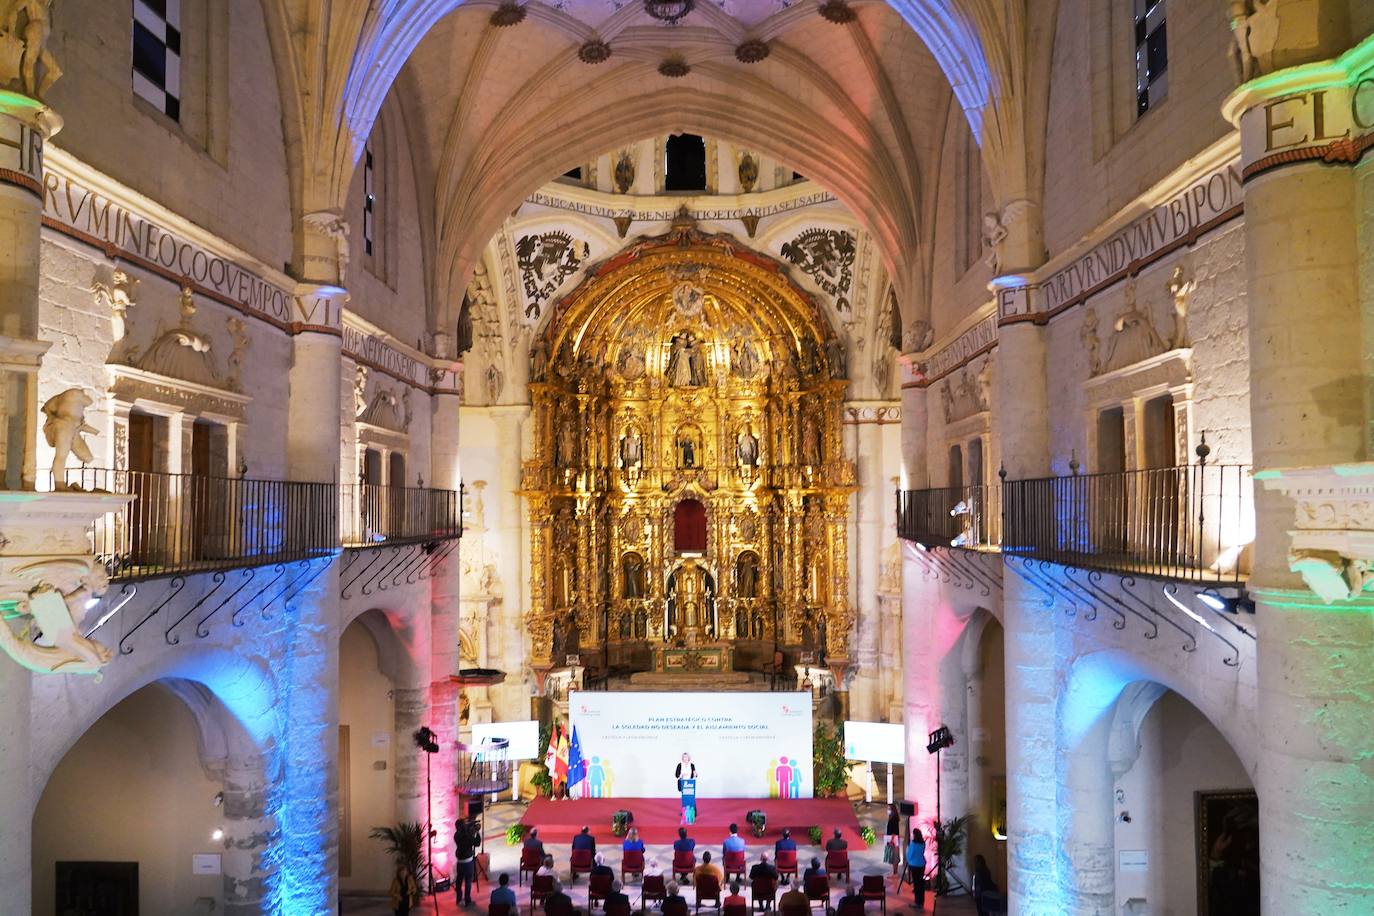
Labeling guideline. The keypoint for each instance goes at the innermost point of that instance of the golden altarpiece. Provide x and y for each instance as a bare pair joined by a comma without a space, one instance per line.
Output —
688,491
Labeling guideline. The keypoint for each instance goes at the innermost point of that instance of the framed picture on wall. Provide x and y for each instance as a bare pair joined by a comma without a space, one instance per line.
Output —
1226,825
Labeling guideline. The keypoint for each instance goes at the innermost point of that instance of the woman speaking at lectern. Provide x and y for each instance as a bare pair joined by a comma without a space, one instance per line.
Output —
685,770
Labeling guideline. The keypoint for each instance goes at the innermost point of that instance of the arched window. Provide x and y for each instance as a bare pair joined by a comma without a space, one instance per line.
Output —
689,527
684,163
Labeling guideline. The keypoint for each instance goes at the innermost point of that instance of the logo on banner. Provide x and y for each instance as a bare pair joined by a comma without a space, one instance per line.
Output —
784,778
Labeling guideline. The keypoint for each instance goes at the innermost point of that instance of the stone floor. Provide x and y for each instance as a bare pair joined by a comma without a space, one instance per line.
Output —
506,858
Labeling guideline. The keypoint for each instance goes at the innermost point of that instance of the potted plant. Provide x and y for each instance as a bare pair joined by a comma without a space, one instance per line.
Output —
515,833
815,834
831,769
869,836
949,845
621,821
758,822
405,842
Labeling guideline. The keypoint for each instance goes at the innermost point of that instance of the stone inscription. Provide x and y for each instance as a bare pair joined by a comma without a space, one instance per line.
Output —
977,339
1212,197
378,353
1334,124
72,206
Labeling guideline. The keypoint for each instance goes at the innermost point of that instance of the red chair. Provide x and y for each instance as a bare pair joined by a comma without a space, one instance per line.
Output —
499,909
786,863
875,888
735,864
580,863
598,888
540,888
837,863
763,892
632,863
818,891
734,909
683,864
850,906
531,857
675,906
794,909
708,888
619,908
653,888
564,907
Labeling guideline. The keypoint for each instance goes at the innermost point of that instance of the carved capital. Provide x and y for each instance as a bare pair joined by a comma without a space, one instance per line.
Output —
1332,541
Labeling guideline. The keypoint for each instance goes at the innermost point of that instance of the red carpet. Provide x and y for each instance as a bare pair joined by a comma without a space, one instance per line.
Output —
658,819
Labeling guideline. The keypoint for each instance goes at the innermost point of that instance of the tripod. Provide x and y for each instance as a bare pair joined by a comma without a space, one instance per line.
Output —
941,878
425,740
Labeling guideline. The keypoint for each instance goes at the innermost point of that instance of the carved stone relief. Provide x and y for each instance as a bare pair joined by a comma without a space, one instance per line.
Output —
118,294
27,65
827,257
545,261
967,391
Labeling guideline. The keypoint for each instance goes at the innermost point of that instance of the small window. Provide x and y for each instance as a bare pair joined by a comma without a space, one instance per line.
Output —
1151,54
574,174
157,54
369,202
684,163
798,176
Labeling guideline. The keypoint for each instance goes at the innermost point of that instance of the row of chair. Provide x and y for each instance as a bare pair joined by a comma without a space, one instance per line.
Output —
684,863
763,894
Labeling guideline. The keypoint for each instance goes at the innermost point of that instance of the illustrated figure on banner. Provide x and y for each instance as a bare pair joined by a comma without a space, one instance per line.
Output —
784,778
600,779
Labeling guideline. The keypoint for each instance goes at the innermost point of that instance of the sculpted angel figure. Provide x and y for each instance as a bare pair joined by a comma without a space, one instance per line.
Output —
64,427
53,594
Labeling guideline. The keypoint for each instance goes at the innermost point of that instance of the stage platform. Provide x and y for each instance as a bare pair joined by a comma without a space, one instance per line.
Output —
659,818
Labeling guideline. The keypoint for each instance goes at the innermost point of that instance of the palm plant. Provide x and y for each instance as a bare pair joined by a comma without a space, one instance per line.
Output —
405,842
949,845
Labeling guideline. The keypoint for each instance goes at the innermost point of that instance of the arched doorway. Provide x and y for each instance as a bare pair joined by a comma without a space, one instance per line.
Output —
160,805
987,711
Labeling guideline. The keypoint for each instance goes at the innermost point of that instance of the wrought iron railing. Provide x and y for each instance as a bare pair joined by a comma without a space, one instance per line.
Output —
375,515
180,523
1190,523
959,516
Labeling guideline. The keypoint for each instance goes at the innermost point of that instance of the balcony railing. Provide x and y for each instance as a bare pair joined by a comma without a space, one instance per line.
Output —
1188,523
375,515
180,523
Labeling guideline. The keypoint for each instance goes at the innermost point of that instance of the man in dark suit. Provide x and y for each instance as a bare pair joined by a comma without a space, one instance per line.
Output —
558,902
532,841
813,869
601,868
835,844
683,843
585,840
763,869
616,895
786,843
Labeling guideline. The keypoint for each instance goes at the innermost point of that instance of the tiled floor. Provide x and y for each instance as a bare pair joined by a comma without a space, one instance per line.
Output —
506,858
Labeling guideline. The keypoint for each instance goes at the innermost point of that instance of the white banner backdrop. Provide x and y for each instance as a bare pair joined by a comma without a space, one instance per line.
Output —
744,745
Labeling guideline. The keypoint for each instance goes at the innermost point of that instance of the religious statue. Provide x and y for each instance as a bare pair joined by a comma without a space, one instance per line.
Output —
631,365
747,575
747,449
811,441
631,449
632,576
689,300
686,450
1179,290
26,47
494,383
744,359
1087,333
834,355
567,443
994,234
686,362
118,296
539,360
748,171
53,594
334,227
63,428
624,172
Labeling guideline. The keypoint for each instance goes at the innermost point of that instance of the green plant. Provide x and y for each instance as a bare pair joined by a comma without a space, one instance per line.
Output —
831,769
405,842
620,822
869,836
815,834
949,845
515,833
758,821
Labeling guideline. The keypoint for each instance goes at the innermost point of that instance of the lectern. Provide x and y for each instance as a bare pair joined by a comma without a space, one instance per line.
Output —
689,801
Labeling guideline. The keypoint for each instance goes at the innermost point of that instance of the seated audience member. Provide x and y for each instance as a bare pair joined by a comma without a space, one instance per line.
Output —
986,896
503,892
601,868
532,840
734,842
584,840
794,897
707,867
852,896
786,844
673,890
616,895
632,841
763,869
734,898
834,844
684,843
815,868
557,902
546,867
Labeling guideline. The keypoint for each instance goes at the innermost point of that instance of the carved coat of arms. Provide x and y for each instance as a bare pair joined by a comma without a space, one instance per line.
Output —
827,257
545,261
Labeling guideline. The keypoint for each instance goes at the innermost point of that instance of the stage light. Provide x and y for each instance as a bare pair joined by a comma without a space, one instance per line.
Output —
939,739
959,541
217,834
921,547
960,508
92,602
1212,601
1227,600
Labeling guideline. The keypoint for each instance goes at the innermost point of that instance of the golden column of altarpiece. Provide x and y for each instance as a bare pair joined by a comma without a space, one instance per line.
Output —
688,491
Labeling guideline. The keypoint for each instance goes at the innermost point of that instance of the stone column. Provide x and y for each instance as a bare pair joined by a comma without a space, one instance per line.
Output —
915,464
1303,132
445,609
312,433
16,805
1020,415
247,832
24,126
1032,775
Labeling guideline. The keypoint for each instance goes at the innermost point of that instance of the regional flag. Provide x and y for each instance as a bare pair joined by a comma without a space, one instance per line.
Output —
551,753
562,767
577,767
